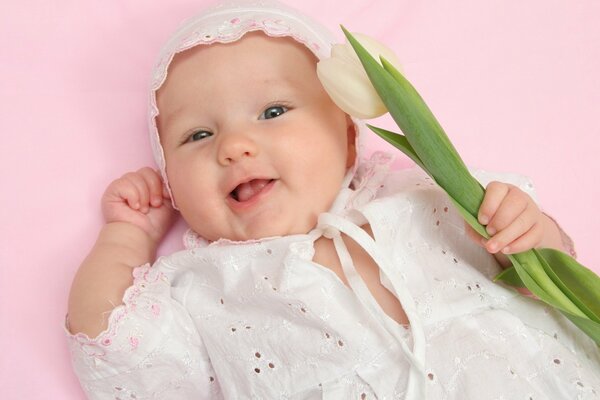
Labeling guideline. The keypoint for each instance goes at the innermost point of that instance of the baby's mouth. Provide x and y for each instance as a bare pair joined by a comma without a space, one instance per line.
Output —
247,190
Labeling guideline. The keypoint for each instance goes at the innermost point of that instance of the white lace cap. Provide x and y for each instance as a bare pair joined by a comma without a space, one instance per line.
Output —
226,22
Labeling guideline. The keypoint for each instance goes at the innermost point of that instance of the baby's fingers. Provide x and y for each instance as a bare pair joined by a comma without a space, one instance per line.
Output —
527,241
494,194
517,235
122,190
137,181
502,204
154,184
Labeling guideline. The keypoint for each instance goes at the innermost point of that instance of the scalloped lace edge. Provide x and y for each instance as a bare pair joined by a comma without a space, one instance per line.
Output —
118,313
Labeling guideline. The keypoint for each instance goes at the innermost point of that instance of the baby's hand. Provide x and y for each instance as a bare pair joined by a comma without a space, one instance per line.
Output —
140,199
514,221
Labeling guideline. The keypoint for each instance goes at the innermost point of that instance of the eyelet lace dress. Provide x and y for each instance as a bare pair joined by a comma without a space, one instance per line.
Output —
261,320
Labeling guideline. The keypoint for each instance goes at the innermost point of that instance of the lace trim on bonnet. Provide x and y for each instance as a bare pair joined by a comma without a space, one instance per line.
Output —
227,22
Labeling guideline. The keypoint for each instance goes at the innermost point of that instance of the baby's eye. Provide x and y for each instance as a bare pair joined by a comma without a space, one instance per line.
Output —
199,135
272,112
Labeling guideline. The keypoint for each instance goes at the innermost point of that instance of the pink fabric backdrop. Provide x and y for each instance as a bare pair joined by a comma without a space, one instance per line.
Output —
515,84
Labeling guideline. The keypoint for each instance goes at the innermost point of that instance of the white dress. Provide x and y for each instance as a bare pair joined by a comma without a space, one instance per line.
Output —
261,320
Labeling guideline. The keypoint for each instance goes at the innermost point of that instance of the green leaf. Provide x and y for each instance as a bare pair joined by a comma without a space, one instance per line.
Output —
510,277
410,90
582,284
589,327
562,287
523,270
533,274
400,142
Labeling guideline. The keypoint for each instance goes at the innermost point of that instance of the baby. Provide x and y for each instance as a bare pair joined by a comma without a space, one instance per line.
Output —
309,272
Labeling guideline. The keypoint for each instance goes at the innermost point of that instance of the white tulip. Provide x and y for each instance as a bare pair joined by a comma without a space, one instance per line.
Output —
345,80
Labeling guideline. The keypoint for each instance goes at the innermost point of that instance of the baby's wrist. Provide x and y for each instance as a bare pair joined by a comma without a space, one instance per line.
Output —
130,239
557,238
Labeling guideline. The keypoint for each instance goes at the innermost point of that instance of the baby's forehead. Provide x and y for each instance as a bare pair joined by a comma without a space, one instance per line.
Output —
254,59
245,75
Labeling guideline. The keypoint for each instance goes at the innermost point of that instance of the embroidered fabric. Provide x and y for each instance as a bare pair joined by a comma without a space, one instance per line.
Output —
261,319
148,334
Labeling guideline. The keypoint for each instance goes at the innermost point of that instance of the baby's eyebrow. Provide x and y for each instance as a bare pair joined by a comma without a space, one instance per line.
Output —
167,119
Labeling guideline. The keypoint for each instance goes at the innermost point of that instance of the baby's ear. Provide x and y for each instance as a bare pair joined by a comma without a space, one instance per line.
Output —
351,138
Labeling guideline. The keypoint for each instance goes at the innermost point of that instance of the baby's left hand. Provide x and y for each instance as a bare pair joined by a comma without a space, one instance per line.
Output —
514,221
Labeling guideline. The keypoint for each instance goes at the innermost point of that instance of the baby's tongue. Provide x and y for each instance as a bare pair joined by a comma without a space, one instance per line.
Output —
246,190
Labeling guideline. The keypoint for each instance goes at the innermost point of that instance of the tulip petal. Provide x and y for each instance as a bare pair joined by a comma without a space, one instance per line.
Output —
350,89
345,53
377,50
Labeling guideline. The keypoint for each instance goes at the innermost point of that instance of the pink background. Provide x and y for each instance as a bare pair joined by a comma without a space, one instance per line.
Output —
515,84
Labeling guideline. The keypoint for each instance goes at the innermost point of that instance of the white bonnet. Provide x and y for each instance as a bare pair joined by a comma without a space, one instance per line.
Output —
228,21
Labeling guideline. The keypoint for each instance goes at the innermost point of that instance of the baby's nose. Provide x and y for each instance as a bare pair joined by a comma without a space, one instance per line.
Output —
235,147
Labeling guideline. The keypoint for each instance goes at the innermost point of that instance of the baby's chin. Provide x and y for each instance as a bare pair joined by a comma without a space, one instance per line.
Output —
260,233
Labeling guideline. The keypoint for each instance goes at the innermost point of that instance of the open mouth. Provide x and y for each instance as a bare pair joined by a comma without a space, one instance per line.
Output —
247,190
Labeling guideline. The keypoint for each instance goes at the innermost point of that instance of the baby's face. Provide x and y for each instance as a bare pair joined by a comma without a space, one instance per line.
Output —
253,144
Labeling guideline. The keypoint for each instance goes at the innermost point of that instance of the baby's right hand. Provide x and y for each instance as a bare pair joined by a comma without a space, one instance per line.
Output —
139,198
